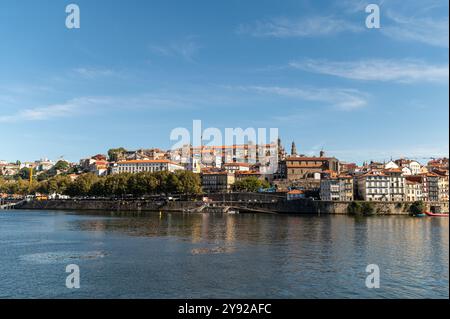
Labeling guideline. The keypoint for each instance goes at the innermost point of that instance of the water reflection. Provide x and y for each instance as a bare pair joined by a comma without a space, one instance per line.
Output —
170,255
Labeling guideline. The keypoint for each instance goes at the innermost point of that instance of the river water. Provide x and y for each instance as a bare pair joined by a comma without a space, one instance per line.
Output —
172,255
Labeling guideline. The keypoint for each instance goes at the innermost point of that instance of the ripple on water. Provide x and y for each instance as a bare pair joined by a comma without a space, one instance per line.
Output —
214,250
61,257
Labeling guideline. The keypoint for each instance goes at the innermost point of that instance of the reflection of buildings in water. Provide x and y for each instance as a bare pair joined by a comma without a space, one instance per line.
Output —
197,231
205,220
230,230
402,237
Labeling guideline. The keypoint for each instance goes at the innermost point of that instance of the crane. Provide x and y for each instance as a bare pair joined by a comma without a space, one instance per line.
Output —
30,178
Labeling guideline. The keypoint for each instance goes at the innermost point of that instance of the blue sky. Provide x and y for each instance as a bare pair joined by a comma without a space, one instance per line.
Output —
135,70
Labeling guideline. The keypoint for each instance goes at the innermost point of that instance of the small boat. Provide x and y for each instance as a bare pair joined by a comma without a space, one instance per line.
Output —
419,215
233,212
436,214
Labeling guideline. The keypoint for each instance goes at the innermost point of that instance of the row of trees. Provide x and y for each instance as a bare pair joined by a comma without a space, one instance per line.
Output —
145,183
250,184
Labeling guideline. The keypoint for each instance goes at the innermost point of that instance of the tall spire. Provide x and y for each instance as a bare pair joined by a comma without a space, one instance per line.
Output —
293,149
281,152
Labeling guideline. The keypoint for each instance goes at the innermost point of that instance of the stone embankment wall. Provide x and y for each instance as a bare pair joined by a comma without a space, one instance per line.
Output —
274,203
136,205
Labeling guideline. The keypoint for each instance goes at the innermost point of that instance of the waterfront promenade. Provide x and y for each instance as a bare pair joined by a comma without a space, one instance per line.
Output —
242,202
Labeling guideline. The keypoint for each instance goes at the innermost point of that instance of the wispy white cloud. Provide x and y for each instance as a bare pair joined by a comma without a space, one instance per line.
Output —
66,109
413,21
302,27
422,21
94,105
186,49
405,71
429,30
344,99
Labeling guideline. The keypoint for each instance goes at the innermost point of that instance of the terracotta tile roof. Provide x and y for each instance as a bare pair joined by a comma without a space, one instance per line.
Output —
215,173
372,173
305,158
393,170
414,178
304,166
345,176
148,162
247,173
237,164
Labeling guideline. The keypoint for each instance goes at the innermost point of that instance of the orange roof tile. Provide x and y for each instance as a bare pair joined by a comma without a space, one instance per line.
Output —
295,191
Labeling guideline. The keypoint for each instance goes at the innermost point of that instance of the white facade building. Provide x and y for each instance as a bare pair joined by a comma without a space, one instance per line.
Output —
390,164
414,166
413,191
137,166
406,171
374,186
396,184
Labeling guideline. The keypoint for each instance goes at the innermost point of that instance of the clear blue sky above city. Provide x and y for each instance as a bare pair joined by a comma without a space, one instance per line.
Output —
135,70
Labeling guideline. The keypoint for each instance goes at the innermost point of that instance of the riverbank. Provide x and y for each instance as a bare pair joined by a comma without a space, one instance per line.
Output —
241,202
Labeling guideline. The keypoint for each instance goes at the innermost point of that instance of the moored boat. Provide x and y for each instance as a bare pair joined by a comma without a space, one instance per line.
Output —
436,214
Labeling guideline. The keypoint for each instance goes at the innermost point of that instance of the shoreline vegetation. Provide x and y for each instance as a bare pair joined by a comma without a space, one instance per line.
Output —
153,191
124,184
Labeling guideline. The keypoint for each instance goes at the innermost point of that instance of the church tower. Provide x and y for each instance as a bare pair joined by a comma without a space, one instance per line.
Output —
293,149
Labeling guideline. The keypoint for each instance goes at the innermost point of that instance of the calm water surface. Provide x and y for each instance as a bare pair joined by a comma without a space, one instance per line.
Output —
221,256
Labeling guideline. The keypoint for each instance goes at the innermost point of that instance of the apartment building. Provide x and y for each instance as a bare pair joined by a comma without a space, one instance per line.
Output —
374,186
413,190
339,188
217,182
137,166
396,184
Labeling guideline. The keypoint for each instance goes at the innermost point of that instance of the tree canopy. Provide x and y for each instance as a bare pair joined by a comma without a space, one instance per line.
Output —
114,154
250,184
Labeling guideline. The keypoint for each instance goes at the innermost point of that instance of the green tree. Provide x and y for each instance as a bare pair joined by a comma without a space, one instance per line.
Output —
117,184
114,154
418,207
361,208
24,173
3,186
189,183
57,184
61,166
98,188
250,184
142,183
82,185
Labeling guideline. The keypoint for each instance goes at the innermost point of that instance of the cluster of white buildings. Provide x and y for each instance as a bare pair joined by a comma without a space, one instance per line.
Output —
11,169
400,180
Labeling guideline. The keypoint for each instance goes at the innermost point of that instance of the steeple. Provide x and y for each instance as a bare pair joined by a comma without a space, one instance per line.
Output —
293,149
281,152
